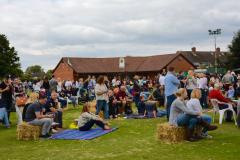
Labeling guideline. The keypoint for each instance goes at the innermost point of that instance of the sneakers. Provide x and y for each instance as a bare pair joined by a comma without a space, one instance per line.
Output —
206,135
54,124
54,131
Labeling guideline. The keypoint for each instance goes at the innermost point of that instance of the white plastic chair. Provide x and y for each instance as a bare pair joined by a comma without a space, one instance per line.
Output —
215,103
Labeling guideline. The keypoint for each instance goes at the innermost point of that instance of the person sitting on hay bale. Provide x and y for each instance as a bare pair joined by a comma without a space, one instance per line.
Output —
87,118
33,97
34,116
194,104
180,115
53,107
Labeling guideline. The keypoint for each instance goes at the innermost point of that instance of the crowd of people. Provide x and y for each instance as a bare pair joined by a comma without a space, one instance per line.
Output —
42,102
199,89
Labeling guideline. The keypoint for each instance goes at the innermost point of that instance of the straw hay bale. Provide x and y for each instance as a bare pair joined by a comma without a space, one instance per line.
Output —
28,132
170,133
173,134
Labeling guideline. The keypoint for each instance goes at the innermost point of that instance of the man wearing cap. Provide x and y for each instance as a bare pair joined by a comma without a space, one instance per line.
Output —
34,116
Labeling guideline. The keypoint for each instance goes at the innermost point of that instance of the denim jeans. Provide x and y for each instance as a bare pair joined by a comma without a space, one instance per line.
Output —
103,105
207,119
46,124
90,123
7,105
4,116
74,101
170,100
63,102
187,120
19,111
151,109
141,108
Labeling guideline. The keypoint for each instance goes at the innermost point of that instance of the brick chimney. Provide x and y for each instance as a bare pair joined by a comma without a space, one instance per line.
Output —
193,49
218,50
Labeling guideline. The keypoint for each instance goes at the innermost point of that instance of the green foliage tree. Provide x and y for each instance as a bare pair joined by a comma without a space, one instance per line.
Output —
9,60
34,72
49,74
234,48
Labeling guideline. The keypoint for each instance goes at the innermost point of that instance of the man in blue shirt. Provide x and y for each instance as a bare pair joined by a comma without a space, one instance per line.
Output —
171,86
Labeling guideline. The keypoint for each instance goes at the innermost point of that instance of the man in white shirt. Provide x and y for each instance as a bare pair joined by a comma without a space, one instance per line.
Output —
68,83
202,82
161,79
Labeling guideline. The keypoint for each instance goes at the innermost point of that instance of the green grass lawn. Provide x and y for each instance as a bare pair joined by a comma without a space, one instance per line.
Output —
135,139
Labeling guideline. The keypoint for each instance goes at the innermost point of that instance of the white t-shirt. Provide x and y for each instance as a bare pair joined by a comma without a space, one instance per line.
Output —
113,82
68,84
37,87
194,104
203,83
59,87
101,88
117,83
161,80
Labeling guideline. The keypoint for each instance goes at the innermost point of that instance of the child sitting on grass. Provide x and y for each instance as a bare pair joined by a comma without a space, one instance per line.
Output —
87,119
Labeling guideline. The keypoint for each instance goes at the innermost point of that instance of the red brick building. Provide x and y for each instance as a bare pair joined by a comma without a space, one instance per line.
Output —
71,68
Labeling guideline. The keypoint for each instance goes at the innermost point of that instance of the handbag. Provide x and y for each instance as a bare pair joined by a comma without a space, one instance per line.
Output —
21,101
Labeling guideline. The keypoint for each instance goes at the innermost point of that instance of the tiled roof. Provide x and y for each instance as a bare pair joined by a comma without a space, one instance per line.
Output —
111,65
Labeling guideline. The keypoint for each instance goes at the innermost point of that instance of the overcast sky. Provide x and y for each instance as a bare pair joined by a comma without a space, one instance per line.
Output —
43,31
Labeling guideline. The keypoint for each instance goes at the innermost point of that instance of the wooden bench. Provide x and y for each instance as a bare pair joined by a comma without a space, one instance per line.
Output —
26,131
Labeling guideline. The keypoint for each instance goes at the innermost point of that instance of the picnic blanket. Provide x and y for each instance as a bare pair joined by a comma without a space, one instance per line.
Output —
74,134
160,113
